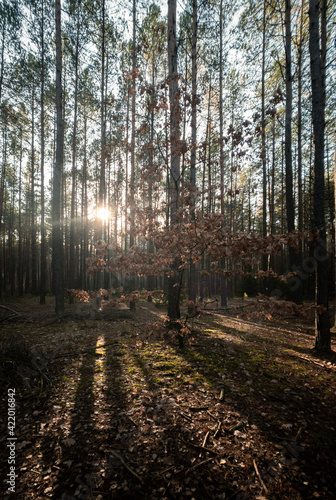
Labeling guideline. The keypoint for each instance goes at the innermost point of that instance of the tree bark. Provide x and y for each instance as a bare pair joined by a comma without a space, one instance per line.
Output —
72,263
192,277
323,341
57,240
43,235
174,280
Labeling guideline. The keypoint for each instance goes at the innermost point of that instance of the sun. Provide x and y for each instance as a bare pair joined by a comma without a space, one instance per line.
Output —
102,213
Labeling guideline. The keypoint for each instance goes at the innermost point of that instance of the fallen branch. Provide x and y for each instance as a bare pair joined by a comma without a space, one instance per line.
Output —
218,429
259,476
9,309
127,466
9,318
198,465
204,443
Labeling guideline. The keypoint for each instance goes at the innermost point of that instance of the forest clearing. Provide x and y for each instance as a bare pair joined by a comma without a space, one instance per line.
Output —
107,410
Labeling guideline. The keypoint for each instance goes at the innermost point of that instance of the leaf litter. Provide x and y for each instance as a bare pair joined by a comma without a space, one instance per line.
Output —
247,411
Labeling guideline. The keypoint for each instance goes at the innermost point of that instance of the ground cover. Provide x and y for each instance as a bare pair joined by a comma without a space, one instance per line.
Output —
114,409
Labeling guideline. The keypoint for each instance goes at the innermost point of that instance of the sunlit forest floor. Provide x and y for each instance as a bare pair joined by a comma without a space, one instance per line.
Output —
109,410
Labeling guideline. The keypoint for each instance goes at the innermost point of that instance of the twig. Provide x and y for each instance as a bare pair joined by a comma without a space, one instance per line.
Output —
204,448
218,429
166,470
133,422
211,415
299,432
35,471
259,476
199,465
204,442
198,408
186,416
127,466
237,426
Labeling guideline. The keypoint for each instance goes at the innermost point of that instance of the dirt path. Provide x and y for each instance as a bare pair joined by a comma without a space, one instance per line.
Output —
247,411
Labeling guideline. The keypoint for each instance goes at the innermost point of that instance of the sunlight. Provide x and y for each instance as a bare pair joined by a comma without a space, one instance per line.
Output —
103,213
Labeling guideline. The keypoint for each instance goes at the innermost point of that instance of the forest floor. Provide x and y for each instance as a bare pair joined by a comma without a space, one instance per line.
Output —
106,411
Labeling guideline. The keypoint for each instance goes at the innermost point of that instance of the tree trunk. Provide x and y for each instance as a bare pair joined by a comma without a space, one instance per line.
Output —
57,240
174,280
132,180
323,341
192,277
263,136
290,209
223,284
43,236
72,263
32,198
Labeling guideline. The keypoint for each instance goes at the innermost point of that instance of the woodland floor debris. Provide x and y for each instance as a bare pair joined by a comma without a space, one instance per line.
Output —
126,414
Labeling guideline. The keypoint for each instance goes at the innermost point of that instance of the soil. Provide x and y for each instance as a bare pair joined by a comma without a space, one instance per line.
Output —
116,410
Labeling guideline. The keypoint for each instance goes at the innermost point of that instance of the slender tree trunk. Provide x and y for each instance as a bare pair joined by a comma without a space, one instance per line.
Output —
20,262
223,284
150,280
43,236
2,69
263,136
57,240
175,279
132,180
317,67
192,277
299,129
72,263
102,187
84,207
126,173
290,209
32,198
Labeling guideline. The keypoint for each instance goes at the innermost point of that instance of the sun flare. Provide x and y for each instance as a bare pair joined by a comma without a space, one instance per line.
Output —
102,214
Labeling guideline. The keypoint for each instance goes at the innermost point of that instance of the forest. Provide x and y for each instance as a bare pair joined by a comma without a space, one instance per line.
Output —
167,249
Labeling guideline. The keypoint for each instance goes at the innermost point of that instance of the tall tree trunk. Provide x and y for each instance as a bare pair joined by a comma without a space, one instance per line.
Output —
32,198
175,279
299,130
57,240
317,68
132,180
84,208
43,236
20,260
263,135
72,263
102,125
290,209
126,172
223,284
2,69
192,277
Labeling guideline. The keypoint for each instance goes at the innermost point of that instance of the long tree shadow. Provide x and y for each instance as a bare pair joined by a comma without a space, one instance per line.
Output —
71,456
285,338
280,401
